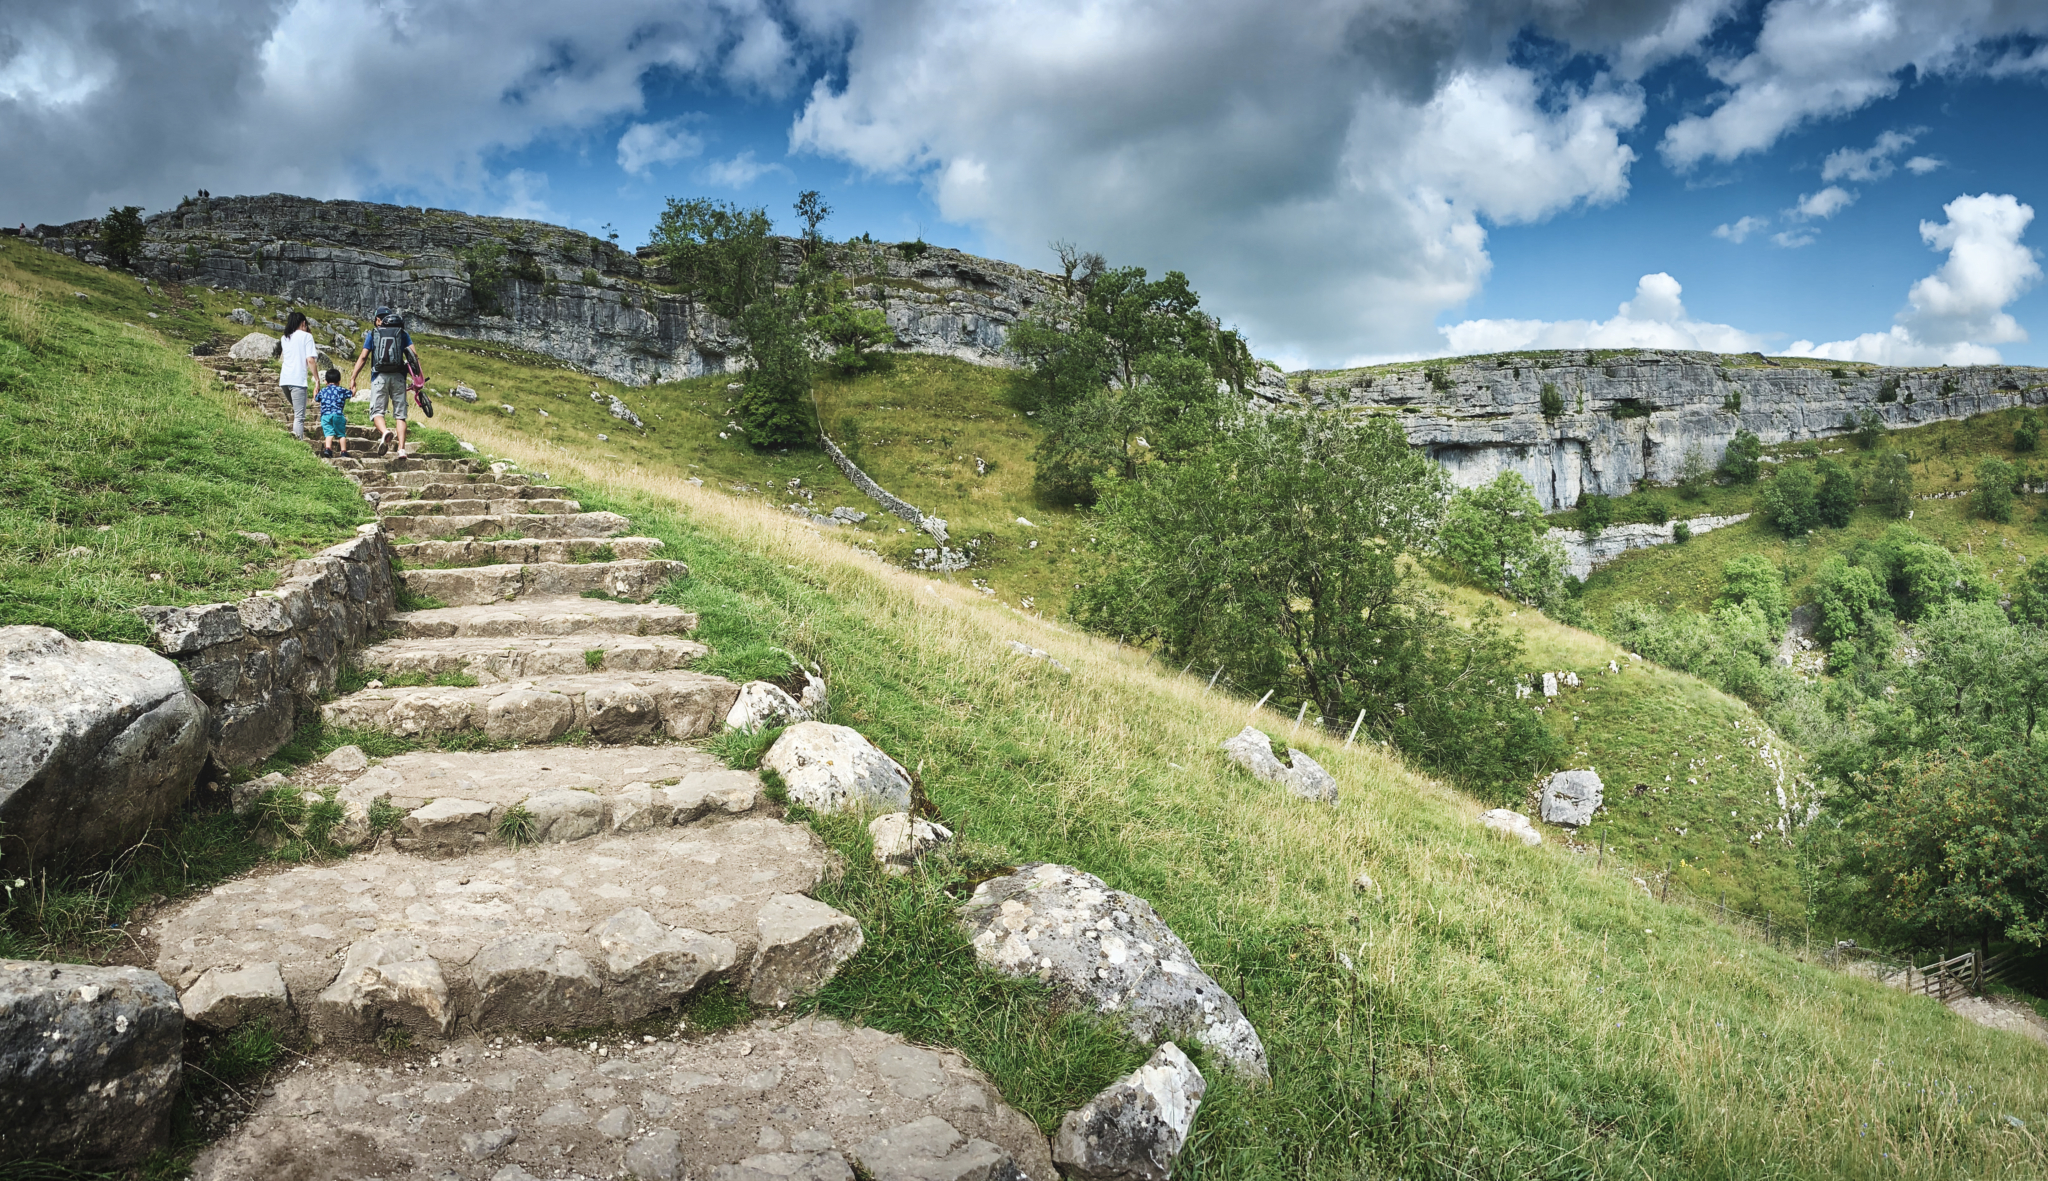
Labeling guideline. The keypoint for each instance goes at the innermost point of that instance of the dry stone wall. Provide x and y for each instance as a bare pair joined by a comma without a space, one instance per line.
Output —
565,294
1626,417
260,662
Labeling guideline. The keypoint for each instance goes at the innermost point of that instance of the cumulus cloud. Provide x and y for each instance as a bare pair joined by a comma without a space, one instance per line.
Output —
1794,239
1954,315
1922,165
1822,205
1741,228
740,171
1871,163
646,144
1819,58
1654,319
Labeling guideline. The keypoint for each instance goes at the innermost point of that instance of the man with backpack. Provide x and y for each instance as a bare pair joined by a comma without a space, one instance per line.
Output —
389,352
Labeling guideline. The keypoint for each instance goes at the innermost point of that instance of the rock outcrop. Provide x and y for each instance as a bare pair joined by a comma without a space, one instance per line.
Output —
1251,749
89,1062
98,742
560,292
1071,929
1622,417
1570,798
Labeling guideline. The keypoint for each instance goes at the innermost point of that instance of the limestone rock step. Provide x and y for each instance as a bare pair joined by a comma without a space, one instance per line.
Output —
636,579
802,1100
548,936
446,490
512,658
546,617
535,525
410,479
475,506
470,552
613,707
390,463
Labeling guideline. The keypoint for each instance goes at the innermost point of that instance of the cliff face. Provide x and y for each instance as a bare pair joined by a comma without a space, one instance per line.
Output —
1624,417
566,294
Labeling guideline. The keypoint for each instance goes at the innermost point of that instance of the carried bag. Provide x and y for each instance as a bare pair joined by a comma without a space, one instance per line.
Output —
387,349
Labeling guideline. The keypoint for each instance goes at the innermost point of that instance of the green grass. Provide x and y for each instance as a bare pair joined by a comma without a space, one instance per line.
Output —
130,473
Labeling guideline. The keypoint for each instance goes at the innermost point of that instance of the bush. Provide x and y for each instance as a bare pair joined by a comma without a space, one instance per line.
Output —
1790,502
2026,436
2030,593
1495,535
1752,580
1553,400
1693,473
1993,498
1596,512
484,262
1742,462
853,334
1835,498
1849,599
1891,486
1681,533
1868,429
775,405
121,234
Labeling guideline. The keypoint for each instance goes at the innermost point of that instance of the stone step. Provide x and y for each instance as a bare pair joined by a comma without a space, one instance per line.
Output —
634,579
479,491
470,552
471,506
546,617
550,935
408,479
611,707
516,658
393,464
528,525
798,1101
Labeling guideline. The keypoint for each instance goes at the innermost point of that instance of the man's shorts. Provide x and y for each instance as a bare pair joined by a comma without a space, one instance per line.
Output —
334,425
387,394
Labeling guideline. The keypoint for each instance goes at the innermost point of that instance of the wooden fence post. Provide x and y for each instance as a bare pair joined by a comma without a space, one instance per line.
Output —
1668,868
1601,863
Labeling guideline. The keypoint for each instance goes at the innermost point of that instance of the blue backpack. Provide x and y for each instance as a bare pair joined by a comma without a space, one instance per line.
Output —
387,347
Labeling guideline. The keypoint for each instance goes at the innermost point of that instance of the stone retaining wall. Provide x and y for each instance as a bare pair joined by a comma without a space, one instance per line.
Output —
880,495
259,662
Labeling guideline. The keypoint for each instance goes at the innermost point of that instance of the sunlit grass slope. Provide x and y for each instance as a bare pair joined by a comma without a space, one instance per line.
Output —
1481,1009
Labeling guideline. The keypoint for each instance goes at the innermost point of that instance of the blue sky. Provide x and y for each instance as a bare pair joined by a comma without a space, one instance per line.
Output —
1347,180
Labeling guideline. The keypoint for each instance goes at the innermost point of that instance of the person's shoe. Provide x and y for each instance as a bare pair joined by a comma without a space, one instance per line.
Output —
401,453
383,443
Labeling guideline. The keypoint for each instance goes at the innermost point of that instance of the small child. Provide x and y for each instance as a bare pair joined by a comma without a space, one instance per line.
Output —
334,399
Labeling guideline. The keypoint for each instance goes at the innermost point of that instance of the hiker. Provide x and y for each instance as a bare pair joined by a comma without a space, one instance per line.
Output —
386,350
299,367
334,398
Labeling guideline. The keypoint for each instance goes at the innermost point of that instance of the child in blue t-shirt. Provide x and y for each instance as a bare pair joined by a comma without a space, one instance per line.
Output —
334,398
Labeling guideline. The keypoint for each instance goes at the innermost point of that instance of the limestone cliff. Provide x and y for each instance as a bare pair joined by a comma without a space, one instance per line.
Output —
565,294
1619,418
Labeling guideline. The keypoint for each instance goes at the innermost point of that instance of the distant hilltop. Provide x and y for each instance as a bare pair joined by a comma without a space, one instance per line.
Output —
562,293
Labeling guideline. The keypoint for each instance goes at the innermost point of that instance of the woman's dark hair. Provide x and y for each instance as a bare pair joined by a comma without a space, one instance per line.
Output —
294,321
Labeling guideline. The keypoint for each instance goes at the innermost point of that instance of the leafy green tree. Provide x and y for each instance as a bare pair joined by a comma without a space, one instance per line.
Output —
775,402
1834,500
1171,410
1868,428
1495,535
2030,593
1278,553
853,334
1946,844
1992,499
1850,599
1919,575
2027,435
1752,580
1891,485
1551,400
121,235
717,252
1694,473
1596,513
1790,501
1743,459
1978,685
484,263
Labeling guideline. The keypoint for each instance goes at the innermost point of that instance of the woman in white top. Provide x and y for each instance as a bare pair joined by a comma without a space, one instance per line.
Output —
300,368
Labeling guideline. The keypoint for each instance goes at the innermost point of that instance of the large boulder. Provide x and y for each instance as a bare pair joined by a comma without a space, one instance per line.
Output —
1511,823
1251,749
254,347
98,742
901,839
835,769
763,705
1570,798
1070,929
1135,1128
89,1061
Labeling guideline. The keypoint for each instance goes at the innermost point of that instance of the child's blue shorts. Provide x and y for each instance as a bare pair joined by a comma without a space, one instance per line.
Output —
334,424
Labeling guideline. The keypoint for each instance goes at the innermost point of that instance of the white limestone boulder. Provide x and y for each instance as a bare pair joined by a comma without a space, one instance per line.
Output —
1135,1128
254,347
1570,798
1251,749
763,705
836,769
1511,823
900,839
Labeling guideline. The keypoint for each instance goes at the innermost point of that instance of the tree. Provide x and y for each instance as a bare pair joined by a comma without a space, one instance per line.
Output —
1596,512
853,334
1868,428
1742,461
1752,580
1277,553
121,234
1170,410
484,263
718,252
1078,269
2030,593
1693,473
1992,499
1789,501
1849,599
2027,435
1495,535
1943,844
812,211
1978,684
774,405
1891,485
1834,501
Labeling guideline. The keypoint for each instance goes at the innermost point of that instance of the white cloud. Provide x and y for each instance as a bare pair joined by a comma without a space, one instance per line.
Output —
522,193
1822,205
1955,314
740,171
1922,165
1868,164
1654,319
646,144
1794,239
1741,228
1819,58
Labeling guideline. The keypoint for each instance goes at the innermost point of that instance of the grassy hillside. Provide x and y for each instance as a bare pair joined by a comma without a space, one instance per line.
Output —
131,474
1479,1009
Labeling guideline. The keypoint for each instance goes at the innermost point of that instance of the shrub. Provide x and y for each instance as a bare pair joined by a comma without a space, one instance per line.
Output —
1681,533
1891,486
121,234
1790,503
1850,600
1552,399
1993,498
1752,580
1743,460
484,262
1867,428
591,278
2030,593
1835,499
1693,473
1888,390
2027,435
1495,535
1596,512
